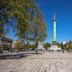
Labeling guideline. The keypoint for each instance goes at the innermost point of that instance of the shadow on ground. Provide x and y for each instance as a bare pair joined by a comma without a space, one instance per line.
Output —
17,55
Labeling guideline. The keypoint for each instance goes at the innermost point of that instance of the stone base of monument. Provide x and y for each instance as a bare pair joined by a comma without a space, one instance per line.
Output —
54,48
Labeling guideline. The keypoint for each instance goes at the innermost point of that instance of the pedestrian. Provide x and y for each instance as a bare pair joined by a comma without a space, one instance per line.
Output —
62,46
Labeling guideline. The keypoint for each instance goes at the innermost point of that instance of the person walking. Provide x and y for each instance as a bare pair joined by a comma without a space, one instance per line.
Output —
62,46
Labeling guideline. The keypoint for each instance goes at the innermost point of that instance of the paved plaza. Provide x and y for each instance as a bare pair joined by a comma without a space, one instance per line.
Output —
44,62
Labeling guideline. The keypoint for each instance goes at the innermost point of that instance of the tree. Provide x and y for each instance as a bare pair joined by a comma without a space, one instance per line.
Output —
46,45
69,46
58,44
19,45
30,24
17,8
5,47
37,31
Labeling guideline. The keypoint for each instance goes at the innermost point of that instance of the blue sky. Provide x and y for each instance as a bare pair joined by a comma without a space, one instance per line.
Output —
63,11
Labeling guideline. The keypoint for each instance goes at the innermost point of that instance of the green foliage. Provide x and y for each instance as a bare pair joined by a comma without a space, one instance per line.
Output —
28,46
33,47
19,9
69,46
5,47
58,44
46,45
30,24
27,12
18,46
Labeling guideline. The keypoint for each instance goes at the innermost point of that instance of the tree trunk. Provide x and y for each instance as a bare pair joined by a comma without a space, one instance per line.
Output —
36,46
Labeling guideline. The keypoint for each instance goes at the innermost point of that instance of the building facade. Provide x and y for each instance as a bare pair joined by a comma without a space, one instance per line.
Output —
5,41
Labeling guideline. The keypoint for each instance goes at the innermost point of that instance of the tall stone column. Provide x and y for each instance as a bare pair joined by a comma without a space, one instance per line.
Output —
54,30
